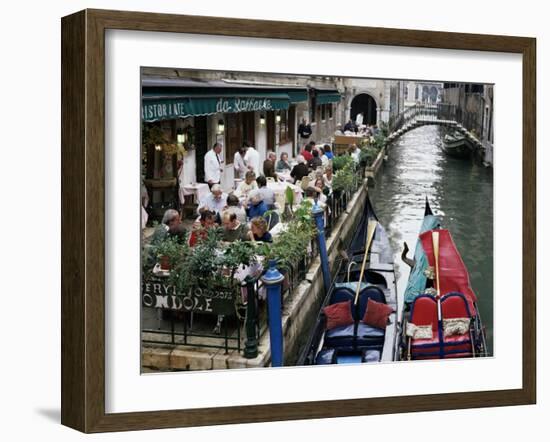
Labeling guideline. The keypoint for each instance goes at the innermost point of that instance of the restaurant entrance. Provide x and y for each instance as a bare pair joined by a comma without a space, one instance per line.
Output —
239,127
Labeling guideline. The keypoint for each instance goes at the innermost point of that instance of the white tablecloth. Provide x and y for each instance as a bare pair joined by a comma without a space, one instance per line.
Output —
279,189
199,190
285,176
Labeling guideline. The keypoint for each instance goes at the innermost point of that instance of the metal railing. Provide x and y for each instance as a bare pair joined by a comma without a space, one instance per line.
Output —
438,113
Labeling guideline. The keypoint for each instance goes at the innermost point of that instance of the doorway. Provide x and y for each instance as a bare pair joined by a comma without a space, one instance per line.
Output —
365,104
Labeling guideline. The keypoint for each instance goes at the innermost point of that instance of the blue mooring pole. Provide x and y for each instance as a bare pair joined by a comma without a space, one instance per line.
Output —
273,281
318,215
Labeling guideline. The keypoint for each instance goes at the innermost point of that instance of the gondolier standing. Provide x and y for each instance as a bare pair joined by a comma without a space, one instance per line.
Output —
304,130
213,165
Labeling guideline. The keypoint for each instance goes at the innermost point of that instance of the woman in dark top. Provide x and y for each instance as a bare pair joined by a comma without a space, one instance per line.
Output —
315,161
258,230
282,164
300,170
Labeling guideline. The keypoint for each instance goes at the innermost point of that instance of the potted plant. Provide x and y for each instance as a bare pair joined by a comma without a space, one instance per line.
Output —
169,252
341,161
289,202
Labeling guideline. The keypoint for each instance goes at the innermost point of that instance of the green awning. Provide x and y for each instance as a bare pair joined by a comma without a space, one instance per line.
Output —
166,102
169,103
324,97
297,95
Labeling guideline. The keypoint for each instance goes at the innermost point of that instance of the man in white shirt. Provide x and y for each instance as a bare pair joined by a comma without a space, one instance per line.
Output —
213,166
215,201
252,159
355,153
239,164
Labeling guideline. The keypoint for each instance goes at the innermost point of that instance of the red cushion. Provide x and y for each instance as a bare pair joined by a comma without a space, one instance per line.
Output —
338,314
377,314
425,312
454,306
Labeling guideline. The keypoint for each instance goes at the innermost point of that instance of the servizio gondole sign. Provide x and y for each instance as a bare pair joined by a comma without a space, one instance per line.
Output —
168,109
158,294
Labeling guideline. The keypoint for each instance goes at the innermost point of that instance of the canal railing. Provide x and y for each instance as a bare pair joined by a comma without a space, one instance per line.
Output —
245,310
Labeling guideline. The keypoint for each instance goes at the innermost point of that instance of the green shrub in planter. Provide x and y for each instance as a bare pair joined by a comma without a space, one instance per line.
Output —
343,180
342,161
368,155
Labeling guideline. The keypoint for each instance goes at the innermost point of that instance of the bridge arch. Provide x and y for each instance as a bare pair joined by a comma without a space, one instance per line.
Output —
366,104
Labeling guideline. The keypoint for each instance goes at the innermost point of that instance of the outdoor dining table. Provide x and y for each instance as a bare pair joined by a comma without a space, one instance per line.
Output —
279,189
285,176
198,190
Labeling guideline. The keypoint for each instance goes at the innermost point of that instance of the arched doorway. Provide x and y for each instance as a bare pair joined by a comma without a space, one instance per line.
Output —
365,104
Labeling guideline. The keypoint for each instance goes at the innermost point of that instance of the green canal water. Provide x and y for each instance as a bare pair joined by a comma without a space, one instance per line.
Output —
460,193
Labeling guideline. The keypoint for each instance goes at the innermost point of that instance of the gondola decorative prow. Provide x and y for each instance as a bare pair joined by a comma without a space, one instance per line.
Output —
370,235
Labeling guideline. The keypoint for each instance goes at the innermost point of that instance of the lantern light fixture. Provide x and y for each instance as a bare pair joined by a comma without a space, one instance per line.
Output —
181,138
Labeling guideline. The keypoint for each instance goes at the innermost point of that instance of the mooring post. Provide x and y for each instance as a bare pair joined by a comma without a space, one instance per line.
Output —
318,215
273,281
251,343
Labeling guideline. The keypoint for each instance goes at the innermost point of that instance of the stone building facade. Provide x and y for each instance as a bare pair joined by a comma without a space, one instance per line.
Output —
260,116
474,105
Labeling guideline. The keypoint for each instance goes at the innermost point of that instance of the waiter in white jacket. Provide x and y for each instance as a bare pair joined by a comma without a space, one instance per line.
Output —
213,166
252,159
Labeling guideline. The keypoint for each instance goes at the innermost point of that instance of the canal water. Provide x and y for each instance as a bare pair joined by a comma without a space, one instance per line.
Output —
460,193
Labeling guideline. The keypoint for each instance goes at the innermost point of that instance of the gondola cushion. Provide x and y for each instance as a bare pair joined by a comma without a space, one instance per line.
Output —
370,292
424,312
377,314
351,286
349,358
344,338
341,337
338,315
325,357
368,336
371,356
342,294
454,305
453,346
426,348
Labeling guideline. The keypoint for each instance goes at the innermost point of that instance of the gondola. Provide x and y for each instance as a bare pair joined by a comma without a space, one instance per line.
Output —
457,145
440,317
364,289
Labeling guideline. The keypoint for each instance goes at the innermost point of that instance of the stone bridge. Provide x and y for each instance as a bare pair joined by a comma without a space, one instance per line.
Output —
440,114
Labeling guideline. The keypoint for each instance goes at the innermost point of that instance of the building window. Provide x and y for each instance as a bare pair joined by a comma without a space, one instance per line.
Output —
323,112
329,107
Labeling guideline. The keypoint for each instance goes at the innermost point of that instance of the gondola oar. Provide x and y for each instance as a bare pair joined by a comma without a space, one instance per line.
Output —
371,228
435,241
